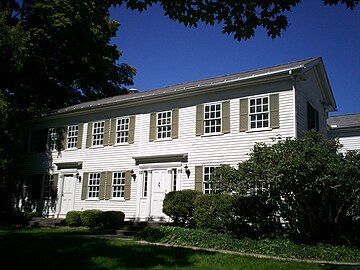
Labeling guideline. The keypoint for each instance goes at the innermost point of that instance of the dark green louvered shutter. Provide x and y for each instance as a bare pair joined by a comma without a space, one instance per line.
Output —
131,134
113,124
274,111
127,189
106,132
84,189
152,131
225,120
199,178
200,120
244,114
80,135
89,135
175,124
108,187
102,185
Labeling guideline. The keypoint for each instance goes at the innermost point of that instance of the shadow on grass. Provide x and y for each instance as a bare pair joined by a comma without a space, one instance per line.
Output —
61,251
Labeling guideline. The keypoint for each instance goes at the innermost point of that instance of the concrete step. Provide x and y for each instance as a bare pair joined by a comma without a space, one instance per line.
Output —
45,222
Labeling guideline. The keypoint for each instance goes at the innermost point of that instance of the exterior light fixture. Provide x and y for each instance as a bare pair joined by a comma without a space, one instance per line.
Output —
133,175
78,177
187,171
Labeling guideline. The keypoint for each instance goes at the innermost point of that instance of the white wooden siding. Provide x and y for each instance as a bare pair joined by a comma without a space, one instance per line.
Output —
350,139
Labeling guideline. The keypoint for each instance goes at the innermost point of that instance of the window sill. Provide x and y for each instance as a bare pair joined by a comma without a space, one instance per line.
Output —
117,200
71,149
92,199
120,144
212,134
163,140
258,130
96,146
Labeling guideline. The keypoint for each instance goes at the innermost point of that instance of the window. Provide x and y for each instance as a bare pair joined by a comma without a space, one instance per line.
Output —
212,118
94,185
259,112
48,181
98,133
164,125
52,139
122,130
118,187
174,179
145,184
72,134
207,177
312,117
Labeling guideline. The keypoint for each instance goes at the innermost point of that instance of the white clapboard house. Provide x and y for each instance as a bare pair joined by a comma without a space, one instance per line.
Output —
126,152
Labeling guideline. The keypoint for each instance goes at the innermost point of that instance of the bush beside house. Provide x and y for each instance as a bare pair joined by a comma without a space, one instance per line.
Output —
95,219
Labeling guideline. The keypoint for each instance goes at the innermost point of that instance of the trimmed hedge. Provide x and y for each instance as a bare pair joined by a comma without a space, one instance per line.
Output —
179,205
91,218
214,212
73,218
112,219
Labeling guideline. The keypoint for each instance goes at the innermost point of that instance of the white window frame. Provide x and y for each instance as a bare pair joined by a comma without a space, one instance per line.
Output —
163,125
259,116
47,186
207,186
98,133
208,119
118,185
72,136
122,130
53,137
94,185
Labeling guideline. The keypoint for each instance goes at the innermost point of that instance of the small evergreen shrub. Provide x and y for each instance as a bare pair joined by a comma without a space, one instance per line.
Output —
30,215
92,218
112,219
73,218
179,205
214,212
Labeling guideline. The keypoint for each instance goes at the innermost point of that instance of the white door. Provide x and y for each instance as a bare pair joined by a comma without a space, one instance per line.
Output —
68,191
160,186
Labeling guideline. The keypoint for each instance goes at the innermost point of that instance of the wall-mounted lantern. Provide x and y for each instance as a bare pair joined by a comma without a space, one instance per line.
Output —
133,175
78,177
187,171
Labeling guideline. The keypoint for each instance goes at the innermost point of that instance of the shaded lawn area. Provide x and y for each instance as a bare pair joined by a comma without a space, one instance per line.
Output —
60,249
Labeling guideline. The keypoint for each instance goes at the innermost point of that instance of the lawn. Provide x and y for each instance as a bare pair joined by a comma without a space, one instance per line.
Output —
60,249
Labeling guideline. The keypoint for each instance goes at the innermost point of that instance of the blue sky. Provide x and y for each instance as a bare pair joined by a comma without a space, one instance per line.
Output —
165,52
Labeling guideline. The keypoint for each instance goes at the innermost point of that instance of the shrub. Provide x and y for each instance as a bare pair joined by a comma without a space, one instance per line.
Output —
112,219
255,216
30,215
179,205
73,218
214,212
91,218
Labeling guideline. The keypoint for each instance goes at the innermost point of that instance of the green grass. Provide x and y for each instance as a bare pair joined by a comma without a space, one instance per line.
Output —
273,247
60,249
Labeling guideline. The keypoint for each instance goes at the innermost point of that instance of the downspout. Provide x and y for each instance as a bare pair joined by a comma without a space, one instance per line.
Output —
293,78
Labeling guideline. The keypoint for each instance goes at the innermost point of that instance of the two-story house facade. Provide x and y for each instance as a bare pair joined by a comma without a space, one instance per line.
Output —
126,152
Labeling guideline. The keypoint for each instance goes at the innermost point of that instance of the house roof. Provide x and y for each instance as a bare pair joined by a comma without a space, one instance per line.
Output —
344,121
187,87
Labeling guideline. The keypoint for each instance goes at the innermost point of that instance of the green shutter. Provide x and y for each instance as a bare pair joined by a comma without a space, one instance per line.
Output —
152,131
43,139
199,178
244,114
225,121
80,135
131,134
274,111
106,132
113,131
55,185
199,120
127,190
102,185
108,188
84,189
63,138
175,124
89,135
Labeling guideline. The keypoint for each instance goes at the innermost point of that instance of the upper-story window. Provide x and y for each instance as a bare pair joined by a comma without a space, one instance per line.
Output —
72,135
98,133
212,118
164,125
94,185
52,139
208,186
259,112
122,130
118,186
312,117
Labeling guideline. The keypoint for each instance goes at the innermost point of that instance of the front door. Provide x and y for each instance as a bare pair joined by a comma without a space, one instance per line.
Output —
68,190
160,186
